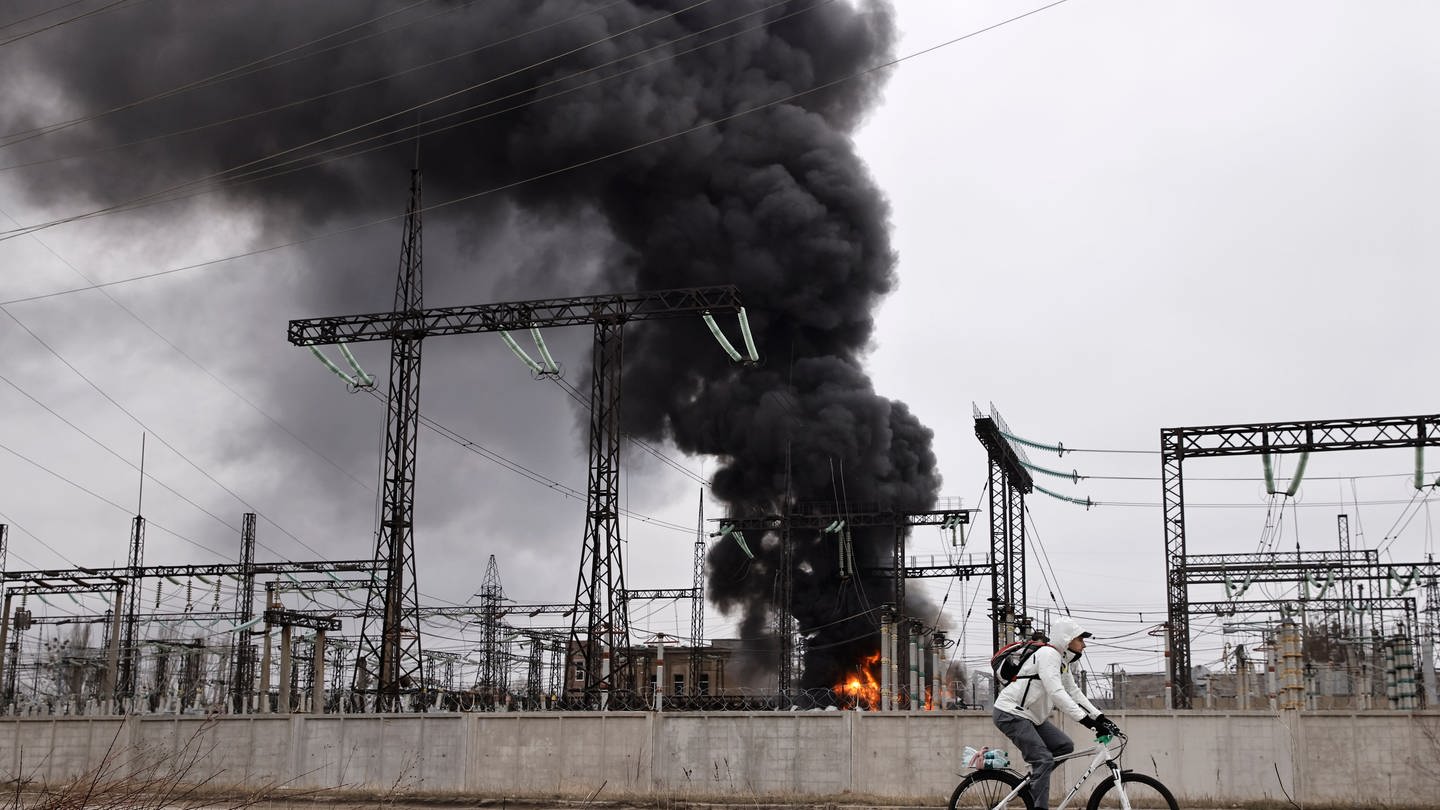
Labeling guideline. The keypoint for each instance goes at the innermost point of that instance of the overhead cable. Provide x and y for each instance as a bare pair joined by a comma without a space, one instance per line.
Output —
708,124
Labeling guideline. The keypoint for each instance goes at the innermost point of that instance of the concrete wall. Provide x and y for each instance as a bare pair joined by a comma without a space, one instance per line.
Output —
1363,758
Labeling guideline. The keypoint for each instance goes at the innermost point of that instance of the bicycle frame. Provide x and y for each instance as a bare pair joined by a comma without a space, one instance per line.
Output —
1104,755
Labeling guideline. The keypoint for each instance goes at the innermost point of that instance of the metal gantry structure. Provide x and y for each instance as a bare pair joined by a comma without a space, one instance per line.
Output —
1009,483
120,672
1267,438
600,624
303,663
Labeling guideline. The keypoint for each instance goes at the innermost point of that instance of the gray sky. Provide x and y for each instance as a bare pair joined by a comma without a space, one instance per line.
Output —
1111,218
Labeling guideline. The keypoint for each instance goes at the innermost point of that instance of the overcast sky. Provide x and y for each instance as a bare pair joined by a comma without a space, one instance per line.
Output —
1110,218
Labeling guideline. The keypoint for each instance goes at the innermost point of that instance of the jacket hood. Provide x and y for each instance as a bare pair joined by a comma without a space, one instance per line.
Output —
1065,630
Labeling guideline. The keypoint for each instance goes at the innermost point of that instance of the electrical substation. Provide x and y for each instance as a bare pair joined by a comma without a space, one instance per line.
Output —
1358,632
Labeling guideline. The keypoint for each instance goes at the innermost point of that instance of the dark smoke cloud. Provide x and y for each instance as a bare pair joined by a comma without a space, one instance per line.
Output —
776,202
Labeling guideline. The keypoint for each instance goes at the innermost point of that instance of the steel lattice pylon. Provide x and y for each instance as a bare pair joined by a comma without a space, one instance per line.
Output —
599,609
491,656
243,671
129,653
697,601
394,658
601,580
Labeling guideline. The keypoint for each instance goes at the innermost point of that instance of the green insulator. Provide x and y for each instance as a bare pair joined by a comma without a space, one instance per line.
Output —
1419,466
750,350
520,353
315,350
740,539
1073,475
365,379
1269,473
720,337
550,367
1087,503
1054,448
1299,475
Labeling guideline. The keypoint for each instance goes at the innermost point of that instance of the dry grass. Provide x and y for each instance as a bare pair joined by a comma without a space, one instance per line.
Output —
142,778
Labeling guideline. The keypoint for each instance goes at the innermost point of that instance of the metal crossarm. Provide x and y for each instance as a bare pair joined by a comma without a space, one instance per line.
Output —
1404,604
180,571
294,618
1291,566
1297,437
671,593
1003,453
932,571
579,311
856,520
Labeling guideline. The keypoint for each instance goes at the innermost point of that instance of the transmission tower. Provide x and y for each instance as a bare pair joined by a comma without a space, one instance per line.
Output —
130,653
491,594
534,671
244,671
394,657
599,623
697,602
1430,640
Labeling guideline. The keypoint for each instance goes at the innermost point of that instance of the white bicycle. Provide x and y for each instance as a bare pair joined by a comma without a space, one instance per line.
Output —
1005,788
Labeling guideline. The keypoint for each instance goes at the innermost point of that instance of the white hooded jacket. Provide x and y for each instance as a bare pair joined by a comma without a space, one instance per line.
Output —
1045,683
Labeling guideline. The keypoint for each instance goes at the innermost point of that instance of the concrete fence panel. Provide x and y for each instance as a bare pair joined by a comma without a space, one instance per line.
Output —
1338,757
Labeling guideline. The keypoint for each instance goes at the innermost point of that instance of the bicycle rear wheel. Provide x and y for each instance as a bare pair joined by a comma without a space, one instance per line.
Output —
1144,792
982,790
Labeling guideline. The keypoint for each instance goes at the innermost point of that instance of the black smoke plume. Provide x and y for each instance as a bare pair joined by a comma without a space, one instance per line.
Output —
304,111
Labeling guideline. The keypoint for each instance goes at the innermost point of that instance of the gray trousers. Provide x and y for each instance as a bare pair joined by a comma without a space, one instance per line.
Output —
1039,745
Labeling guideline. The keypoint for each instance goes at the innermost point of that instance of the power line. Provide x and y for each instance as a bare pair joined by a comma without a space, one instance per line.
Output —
111,451
303,101
407,129
13,138
525,472
99,497
37,15
102,9
152,432
220,381
708,124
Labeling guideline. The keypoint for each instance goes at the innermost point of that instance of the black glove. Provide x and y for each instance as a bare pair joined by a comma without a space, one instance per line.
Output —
1106,727
1089,722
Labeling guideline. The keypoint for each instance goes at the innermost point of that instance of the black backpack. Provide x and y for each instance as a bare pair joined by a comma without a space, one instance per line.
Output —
1007,661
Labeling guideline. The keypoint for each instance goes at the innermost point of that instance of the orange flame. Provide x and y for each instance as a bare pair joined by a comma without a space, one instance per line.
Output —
861,690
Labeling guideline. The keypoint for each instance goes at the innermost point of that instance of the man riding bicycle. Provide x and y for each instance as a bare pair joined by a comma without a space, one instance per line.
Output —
1044,683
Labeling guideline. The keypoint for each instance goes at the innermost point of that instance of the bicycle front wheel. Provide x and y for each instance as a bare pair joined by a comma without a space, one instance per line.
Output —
983,790
1144,792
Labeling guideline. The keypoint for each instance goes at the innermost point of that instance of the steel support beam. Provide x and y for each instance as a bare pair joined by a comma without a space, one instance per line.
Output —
1178,444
